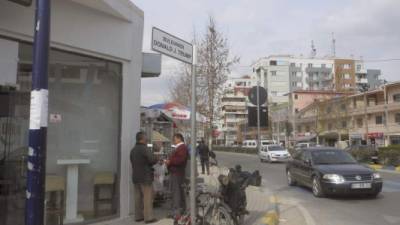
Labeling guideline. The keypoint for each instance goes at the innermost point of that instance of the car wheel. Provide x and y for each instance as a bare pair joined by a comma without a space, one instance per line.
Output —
316,188
290,180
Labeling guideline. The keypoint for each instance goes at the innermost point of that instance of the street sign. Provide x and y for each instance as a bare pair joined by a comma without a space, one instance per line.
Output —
172,46
253,95
252,116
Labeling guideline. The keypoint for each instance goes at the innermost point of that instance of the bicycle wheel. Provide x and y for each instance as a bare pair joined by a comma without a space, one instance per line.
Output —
221,216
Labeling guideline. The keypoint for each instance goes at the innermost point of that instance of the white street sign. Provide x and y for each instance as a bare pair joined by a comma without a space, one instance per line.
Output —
172,46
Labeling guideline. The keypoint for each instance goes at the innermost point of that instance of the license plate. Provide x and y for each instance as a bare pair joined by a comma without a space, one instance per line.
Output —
361,185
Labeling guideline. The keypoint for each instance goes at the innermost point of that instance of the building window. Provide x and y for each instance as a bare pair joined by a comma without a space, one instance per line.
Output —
343,107
344,124
296,110
307,128
379,119
329,126
296,96
346,76
293,64
323,65
346,66
294,74
273,73
328,109
273,63
274,93
299,129
358,67
397,118
359,122
309,65
396,97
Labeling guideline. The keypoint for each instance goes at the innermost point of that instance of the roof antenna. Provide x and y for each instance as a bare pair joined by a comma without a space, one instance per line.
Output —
313,50
333,45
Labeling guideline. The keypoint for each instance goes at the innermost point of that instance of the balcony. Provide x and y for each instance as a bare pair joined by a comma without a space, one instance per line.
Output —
362,81
318,70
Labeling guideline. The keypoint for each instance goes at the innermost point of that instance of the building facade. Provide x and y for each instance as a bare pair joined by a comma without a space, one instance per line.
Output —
372,117
234,108
283,74
95,69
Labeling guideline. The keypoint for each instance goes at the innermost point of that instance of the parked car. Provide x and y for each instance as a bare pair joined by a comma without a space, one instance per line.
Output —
331,171
303,145
267,142
273,153
249,144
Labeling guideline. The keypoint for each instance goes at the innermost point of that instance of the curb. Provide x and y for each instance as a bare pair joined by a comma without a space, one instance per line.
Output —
382,167
272,215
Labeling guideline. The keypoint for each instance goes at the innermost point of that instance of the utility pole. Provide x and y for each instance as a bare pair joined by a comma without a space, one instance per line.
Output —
258,113
193,140
35,190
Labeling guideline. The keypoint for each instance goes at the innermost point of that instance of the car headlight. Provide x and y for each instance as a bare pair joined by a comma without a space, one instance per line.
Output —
376,176
334,178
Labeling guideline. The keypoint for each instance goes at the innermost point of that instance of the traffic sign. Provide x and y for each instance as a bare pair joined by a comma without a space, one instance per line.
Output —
253,95
172,46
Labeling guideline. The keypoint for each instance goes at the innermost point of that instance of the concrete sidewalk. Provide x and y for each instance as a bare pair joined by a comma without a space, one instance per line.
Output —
259,204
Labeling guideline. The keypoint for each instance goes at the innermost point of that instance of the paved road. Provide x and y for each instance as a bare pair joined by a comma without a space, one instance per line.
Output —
384,210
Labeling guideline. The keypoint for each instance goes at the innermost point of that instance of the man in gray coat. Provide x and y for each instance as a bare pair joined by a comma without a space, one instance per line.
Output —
142,160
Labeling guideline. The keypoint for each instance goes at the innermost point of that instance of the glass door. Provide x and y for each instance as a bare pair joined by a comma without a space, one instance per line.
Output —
13,151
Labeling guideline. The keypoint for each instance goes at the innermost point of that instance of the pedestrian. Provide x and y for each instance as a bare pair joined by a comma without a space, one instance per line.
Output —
142,160
204,153
176,164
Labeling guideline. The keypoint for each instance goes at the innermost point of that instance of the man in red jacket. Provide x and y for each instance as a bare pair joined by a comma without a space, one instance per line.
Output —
176,166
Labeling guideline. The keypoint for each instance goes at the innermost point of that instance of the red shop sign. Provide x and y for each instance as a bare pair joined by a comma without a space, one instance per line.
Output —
378,135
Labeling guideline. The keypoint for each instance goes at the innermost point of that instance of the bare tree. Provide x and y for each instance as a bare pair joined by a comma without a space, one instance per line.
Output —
214,63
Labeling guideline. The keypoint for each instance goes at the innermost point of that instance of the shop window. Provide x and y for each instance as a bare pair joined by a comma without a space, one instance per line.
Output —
84,124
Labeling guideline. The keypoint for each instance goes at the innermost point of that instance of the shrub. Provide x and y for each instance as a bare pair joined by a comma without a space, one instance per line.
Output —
363,155
390,155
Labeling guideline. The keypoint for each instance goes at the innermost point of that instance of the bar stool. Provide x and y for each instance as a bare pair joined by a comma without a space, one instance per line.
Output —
104,181
55,189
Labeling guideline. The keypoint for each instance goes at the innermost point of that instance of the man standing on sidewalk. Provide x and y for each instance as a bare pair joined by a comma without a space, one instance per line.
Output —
176,166
204,153
142,160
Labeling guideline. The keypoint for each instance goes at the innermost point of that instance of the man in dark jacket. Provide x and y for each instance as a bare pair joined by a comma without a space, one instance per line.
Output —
176,166
142,160
204,153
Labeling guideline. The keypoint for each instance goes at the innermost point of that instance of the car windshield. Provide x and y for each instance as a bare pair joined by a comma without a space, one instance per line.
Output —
275,148
332,157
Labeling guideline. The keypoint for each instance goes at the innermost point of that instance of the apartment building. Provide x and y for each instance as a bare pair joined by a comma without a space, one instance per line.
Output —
234,107
282,74
372,117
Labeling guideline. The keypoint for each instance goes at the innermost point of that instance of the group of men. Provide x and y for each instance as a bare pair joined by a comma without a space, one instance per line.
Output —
143,160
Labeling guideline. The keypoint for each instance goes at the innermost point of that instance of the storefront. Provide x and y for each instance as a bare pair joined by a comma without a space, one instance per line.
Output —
94,107
376,138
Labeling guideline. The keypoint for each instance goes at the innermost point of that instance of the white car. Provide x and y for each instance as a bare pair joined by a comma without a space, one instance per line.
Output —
273,153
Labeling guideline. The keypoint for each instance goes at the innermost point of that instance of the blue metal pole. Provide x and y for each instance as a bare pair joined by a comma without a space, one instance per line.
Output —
35,193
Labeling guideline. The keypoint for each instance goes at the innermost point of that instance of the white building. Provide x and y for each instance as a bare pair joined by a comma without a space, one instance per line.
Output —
281,74
234,107
95,70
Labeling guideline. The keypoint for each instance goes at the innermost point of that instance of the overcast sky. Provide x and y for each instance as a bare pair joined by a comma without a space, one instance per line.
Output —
257,28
